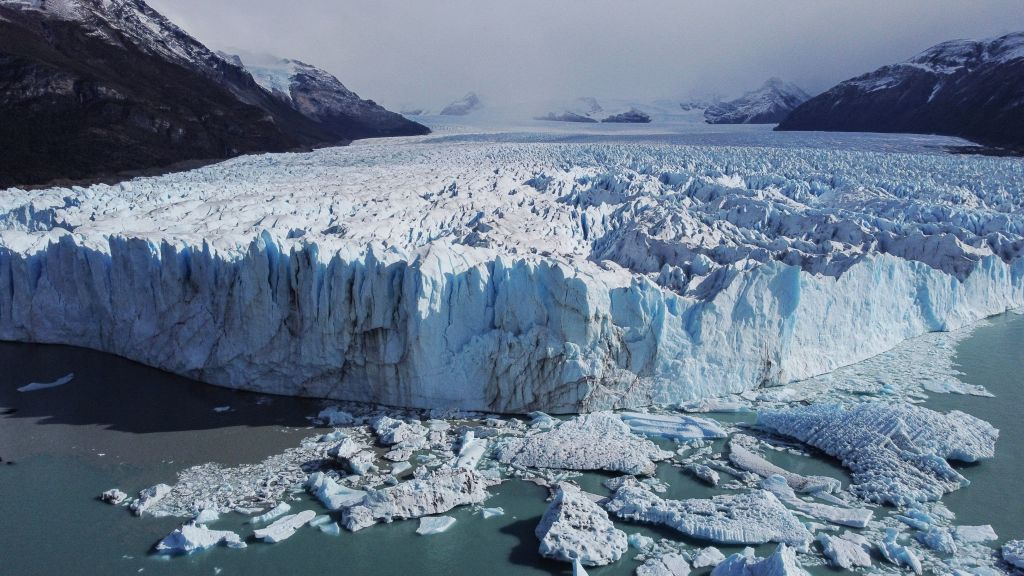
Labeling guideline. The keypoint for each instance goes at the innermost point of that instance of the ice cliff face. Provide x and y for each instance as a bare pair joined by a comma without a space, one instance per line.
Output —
513,277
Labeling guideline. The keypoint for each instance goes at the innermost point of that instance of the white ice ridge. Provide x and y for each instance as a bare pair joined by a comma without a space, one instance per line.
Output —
511,277
599,441
897,452
437,492
32,387
575,528
755,517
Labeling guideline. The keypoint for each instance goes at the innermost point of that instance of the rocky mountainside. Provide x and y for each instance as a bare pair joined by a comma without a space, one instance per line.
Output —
769,104
321,97
973,89
465,105
95,87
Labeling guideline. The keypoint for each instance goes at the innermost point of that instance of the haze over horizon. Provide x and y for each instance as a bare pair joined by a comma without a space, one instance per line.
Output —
427,54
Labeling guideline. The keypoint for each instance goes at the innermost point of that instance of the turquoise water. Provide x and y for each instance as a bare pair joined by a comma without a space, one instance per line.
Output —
121,424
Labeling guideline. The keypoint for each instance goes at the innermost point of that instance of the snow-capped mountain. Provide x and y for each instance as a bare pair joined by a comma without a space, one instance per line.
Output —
769,104
973,89
320,96
94,87
463,106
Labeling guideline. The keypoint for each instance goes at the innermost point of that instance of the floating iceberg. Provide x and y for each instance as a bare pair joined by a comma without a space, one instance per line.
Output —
512,277
149,498
575,528
846,551
391,431
43,386
674,426
706,557
782,562
334,416
113,496
741,454
668,565
193,538
599,441
471,451
1013,553
896,452
434,525
897,553
755,517
332,495
437,492
284,527
276,512
853,517
492,512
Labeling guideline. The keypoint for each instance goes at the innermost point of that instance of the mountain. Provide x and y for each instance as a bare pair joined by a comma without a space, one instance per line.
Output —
769,104
468,103
973,89
91,88
582,109
631,116
321,97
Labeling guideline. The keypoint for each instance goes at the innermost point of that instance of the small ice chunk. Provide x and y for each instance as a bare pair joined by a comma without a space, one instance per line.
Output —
844,553
276,512
284,527
853,517
639,541
975,534
191,538
434,524
361,463
332,495
206,516
391,431
400,468
334,416
668,565
344,449
577,568
705,473
113,496
939,539
542,421
782,562
709,556
897,553
330,528
149,497
575,528
1013,553
471,450
741,454
488,513
221,409
45,385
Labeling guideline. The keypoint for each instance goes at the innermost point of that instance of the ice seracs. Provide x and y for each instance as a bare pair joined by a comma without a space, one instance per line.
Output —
599,441
754,517
575,528
897,452
512,277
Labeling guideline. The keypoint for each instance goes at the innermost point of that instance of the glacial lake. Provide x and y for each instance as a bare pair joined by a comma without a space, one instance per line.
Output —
120,424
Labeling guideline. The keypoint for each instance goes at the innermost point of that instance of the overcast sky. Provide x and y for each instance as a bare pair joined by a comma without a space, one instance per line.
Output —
428,52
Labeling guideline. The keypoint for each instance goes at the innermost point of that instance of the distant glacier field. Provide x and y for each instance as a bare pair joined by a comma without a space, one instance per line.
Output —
515,270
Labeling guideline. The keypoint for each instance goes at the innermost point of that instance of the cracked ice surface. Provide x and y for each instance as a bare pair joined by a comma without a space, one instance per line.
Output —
599,441
754,517
512,277
438,491
897,453
574,527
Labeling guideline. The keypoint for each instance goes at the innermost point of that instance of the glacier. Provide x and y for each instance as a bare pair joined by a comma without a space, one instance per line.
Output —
510,276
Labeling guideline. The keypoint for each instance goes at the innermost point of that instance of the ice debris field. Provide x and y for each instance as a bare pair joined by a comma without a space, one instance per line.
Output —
512,277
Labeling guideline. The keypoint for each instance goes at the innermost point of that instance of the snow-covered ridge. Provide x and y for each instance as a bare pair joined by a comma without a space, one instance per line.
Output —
515,277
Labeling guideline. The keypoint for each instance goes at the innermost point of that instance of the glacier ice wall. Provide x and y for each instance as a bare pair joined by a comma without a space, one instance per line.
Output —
516,277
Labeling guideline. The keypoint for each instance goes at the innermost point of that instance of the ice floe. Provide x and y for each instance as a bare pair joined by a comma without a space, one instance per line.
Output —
113,496
754,517
274,513
45,385
782,562
666,565
284,527
853,517
846,551
436,492
673,426
332,495
897,553
149,498
742,454
896,452
598,441
575,528
434,525
706,557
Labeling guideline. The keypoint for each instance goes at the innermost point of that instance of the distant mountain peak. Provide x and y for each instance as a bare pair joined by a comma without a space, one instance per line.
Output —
769,104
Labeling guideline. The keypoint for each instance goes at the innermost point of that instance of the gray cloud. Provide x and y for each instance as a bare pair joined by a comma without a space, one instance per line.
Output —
430,52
